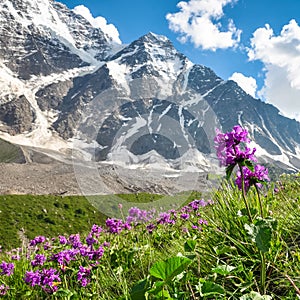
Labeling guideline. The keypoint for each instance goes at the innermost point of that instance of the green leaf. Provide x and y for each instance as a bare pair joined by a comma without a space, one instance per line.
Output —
208,288
255,296
158,286
190,245
168,269
164,295
261,233
139,289
223,269
249,165
229,171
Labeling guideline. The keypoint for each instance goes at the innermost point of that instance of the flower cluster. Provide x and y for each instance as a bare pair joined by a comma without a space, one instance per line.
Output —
53,260
7,268
83,276
117,225
3,289
260,174
228,146
233,149
39,260
37,240
139,216
48,279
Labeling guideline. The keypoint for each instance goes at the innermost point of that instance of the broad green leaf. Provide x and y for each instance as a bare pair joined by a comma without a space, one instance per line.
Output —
190,245
223,269
261,233
139,289
263,238
208,288
168,269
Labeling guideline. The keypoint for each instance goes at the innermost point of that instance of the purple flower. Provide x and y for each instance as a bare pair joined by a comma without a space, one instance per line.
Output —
90,240
64,257
7,268
150,227
202,221
184,216
48,276
117,225
165,218
48,279
250,178
196,204
228,147
96,230
83,276
39,260
185,230
92,254
47,246
74,240
106,244
3,289
138,216
15,257
37,240
95,254
63,240
33,278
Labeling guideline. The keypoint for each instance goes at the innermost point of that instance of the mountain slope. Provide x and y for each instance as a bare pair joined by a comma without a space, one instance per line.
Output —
66,84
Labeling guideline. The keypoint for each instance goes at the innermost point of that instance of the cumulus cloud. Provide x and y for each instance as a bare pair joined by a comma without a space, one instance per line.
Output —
98,22
281,58
200,22
248,84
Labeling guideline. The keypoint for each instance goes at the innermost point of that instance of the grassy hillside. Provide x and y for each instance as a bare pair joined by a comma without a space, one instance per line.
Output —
53,215
208,249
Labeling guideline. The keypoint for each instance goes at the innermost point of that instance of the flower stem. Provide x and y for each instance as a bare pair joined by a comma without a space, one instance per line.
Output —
263,273
259,201
244,195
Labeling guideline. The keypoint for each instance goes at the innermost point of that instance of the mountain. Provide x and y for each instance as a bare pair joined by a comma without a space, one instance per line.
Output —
65,84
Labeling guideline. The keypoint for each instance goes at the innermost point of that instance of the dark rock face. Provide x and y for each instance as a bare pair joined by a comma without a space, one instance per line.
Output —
17,115
147,97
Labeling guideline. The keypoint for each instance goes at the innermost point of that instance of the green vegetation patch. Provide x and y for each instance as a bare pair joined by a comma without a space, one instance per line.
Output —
10,153
44,215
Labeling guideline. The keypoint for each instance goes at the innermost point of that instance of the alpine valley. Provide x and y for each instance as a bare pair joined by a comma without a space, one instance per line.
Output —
70,93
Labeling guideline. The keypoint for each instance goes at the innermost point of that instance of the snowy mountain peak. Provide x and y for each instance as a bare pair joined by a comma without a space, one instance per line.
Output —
62,78
46,30
151,55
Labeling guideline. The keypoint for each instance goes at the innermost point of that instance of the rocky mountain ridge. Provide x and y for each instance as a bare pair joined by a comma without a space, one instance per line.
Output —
67,85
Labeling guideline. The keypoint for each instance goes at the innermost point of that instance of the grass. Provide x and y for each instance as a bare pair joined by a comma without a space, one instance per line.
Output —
10,152
51,215
184,259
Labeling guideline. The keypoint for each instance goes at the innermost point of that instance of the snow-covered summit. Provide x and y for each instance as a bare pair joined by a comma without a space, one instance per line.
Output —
63,78
48,30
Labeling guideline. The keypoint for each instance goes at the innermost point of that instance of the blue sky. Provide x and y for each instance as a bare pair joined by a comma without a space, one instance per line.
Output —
229,36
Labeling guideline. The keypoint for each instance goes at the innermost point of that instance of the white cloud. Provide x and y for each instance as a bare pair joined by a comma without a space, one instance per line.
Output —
248,84
98,22
281,58
199,22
